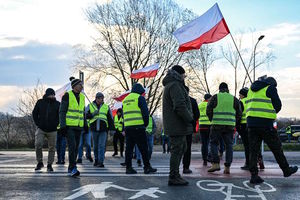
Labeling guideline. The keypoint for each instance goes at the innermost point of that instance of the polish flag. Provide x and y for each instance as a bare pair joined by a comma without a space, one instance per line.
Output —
115,108
125,94
61,91
148,72
208,28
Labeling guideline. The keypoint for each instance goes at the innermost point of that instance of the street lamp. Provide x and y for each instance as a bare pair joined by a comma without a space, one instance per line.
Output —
259,39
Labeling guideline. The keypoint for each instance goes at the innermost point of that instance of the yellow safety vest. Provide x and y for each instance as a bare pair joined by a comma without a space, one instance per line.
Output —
75,113
118,123
224,113
244,119
102,113
131,111
150,126
203,120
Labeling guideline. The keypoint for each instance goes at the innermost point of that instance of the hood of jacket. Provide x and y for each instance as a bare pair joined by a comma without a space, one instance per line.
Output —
172,76
137,88
258,85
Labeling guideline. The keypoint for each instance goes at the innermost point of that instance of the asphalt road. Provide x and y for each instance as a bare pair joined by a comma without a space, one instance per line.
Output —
18,180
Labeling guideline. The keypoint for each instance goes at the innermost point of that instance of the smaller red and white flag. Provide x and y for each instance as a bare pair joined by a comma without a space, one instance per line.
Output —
146,72
125,94
115,107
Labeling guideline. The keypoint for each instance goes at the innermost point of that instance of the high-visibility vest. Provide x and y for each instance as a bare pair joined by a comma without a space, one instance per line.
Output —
75,113
118,123
150,126
259,105
288,130
203,120
131,111
102,115
224,113
244,119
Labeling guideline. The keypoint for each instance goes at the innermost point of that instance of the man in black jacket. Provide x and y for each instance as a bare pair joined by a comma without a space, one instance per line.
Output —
262,105
46,118
186,161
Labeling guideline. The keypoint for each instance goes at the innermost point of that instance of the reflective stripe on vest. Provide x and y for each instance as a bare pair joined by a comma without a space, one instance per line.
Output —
259,105
75,113
203,120
150,126
131,111
224,113
244,119
102,113
118,123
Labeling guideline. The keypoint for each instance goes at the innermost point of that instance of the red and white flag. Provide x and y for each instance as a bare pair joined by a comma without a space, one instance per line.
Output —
115,107
145,72
208,28
61,91
125,94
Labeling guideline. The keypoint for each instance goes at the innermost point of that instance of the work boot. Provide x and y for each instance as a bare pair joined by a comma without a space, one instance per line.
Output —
149,170
187,171
177,181
204,163
95,163
290,171
245,167
255,179
39,166
79,161
226,170
214,167
49,168
100,164
139,162
261,163
123,164
90,158
130,170
114,154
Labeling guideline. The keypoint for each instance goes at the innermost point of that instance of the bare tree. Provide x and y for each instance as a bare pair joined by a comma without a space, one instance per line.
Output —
6,121
131,35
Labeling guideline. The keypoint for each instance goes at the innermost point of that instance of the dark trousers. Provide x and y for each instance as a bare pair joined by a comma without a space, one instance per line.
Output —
178,148
270,137
60,147
165,141
73,138
118,136
204,133
186,161
136,136
243,132
218,132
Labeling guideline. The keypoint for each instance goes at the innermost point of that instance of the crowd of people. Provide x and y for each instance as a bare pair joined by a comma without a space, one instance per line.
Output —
73,123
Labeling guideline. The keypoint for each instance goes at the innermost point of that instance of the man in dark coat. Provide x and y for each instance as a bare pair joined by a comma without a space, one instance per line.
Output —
46,118
177,119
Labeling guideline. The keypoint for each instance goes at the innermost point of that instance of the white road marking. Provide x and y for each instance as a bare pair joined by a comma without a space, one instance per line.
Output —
11,160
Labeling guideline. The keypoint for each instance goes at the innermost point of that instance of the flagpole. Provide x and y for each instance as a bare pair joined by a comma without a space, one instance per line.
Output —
241,58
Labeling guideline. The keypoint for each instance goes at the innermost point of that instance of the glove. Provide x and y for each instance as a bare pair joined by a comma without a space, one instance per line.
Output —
63,131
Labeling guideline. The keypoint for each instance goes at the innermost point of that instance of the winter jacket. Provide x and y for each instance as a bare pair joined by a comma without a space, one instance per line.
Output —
213,102
196,112
103,127
276,102
46,114
177,108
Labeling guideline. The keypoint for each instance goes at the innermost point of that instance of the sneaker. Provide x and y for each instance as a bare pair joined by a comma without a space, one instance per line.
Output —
187,171
139,162
255,179
245,167
79,161
177,181
114,154
39,166
149,170
75,172
69,172
100,165
290,171
123,164
49,168
130,171
90,159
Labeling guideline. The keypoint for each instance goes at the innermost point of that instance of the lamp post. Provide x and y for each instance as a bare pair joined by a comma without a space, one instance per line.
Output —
259,39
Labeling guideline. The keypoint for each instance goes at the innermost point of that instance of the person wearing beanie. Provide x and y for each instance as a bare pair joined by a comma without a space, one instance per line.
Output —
72,121
204,127
100,120
177,120
46,118
136,119
262,105
223,111
119,136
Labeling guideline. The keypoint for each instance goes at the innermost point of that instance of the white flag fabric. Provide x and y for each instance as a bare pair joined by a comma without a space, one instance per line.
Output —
61,91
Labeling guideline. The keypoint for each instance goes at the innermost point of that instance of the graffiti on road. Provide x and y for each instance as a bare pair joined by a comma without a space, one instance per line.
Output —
226,189
98,191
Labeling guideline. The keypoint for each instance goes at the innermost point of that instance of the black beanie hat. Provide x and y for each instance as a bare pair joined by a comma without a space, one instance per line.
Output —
49,92
244,92
178,69
74,81
207,96
223,85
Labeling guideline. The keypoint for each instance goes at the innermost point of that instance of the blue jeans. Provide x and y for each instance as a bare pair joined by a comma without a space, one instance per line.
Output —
137,153
99,139
150,139
60,147
85,138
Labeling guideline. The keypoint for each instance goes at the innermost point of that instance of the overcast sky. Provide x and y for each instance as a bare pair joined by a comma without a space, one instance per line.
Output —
37,39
